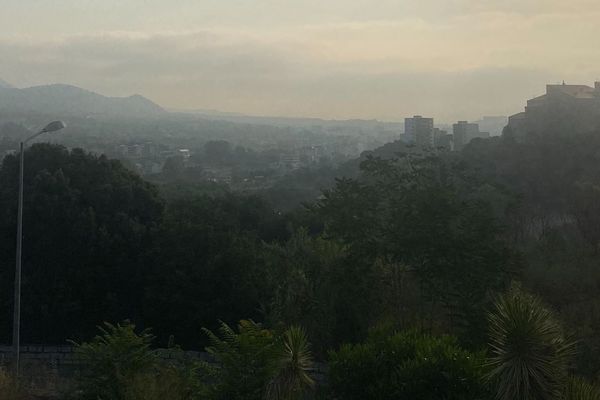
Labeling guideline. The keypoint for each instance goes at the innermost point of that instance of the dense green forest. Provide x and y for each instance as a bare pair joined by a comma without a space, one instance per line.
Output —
409,255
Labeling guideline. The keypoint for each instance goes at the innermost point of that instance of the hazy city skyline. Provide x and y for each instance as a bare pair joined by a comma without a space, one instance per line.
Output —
456,59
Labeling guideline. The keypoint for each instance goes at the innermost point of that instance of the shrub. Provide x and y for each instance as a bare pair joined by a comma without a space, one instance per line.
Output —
406,365
244,358
119,364
112,360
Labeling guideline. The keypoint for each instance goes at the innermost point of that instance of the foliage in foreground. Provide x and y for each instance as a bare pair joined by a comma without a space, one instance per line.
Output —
253,364
120,365
530,352
407,365
579,389
256,363
293,362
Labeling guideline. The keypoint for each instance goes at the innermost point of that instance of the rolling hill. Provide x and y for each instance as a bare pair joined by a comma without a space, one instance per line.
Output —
67,100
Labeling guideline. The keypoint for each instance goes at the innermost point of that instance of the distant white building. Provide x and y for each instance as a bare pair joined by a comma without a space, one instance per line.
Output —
419,130
185,153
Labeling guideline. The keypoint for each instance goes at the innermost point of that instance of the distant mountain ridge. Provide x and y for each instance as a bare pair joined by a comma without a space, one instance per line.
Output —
61,99
282,122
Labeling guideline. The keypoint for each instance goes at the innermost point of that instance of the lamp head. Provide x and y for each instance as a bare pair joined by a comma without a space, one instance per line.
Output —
54,126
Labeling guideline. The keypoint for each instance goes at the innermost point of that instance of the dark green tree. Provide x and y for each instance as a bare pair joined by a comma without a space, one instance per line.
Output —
87,226
317,285
432,216
207,264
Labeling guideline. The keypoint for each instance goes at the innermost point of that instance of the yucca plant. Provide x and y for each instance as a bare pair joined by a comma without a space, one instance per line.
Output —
293,364
580,389
530,352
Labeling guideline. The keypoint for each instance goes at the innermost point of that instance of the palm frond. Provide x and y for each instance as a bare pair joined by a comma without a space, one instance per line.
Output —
579,389
530,352
294,364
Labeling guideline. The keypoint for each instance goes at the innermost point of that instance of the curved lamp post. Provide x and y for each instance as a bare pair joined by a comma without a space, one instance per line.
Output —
50,128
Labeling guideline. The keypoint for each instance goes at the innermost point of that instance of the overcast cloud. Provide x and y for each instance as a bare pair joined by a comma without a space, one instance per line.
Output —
451,59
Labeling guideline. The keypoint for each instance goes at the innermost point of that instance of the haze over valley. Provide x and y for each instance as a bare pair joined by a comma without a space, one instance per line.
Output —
309,200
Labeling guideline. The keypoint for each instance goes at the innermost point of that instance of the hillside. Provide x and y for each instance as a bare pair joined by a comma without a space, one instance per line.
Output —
69,100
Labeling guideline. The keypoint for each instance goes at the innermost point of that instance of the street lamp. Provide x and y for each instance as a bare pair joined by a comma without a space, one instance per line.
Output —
51,127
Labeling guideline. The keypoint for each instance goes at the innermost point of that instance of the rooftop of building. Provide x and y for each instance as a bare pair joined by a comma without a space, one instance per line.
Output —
576,91
418,117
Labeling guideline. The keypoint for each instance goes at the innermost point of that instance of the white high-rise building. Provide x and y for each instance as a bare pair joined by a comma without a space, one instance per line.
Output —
419,130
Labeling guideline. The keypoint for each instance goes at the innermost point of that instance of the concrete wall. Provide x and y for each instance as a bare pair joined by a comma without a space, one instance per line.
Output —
49,370
65,356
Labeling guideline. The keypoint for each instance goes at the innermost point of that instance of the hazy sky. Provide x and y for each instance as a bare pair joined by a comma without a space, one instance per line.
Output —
386,59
